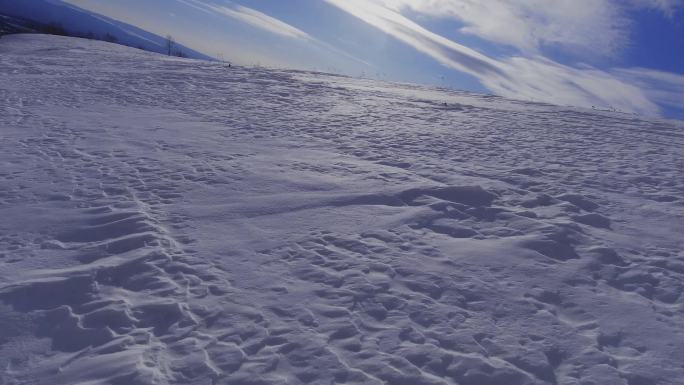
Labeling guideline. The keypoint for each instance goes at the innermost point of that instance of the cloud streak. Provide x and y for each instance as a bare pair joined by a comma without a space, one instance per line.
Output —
526,77
667,7
530,25
577,26
443,50
662,87
278,28
261,20
250,17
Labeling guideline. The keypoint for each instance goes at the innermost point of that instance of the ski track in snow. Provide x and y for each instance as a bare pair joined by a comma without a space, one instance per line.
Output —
169,221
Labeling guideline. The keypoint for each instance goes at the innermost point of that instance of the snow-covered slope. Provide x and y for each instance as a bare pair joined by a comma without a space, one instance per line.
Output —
10,25
81,22
168,221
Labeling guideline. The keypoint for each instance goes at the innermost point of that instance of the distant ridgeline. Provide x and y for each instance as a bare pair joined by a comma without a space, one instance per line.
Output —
11,25
54,17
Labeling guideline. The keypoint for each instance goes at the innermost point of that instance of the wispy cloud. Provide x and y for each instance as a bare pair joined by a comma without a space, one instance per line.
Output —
596,27
275,27
530,25
525,76
541,79
251,17
667,7
664,88
261,20
444,50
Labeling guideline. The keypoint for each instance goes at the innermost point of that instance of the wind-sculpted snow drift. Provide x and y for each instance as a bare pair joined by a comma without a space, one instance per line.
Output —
168,221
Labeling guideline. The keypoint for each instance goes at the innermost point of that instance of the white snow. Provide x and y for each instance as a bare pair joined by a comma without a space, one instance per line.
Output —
169,221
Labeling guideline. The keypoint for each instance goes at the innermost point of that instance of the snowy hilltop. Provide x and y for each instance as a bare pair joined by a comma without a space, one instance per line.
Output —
171,221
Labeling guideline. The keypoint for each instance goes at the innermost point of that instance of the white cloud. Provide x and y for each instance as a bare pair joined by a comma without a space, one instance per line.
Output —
524,77
585,27
251,17
445,51
261,20
667,7
664,88
530,25
541,79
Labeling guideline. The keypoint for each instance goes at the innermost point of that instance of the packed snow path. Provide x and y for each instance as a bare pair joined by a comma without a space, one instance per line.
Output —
168,221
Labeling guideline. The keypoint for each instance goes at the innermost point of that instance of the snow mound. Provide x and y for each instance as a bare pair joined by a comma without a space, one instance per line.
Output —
169,221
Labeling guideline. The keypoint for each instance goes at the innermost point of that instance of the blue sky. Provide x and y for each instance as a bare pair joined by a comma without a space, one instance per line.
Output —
622,54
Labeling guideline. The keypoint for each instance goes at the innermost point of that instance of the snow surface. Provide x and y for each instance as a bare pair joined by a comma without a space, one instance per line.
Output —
169,221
